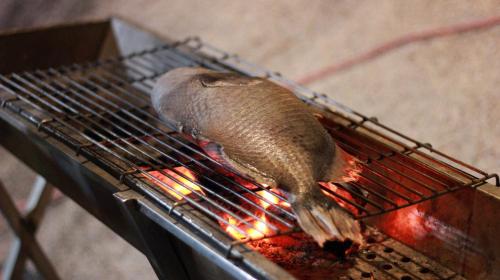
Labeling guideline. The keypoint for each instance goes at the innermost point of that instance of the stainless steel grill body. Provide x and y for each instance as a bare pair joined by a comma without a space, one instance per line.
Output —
94,118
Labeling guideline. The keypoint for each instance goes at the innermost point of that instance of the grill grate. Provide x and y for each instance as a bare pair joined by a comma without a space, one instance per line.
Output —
101,110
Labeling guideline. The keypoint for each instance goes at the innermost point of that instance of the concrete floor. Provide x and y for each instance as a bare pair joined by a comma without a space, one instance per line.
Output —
445,91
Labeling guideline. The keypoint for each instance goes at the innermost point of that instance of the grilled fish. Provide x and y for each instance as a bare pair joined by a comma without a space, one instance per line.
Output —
264,132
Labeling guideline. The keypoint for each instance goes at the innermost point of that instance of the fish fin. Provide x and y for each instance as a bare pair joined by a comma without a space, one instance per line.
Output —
216,152
323,219
227,80
213,150
343,168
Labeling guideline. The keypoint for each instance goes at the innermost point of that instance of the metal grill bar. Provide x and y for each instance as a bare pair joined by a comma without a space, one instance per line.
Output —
234,62
406,151
124,91
129,163
113,95
389,156
57,109
152,161
101,109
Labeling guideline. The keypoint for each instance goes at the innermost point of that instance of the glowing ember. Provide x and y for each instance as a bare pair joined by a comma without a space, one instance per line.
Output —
254,228
408,224
257,230
231,227
187,187
268,196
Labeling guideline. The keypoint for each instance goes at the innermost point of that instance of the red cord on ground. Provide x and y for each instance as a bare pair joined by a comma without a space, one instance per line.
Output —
396,43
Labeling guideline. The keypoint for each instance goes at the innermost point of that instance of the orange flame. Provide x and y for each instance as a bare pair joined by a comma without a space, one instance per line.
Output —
254,228
187,186
269,196
257,229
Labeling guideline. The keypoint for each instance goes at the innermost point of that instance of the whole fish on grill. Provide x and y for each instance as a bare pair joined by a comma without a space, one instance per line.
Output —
264,132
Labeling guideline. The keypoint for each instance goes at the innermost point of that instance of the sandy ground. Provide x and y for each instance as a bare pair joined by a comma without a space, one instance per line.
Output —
446,91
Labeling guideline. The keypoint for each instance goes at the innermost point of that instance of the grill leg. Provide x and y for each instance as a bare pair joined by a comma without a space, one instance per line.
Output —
25,245
157,246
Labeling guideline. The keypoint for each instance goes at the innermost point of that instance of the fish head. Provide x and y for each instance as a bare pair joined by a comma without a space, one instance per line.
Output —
171,81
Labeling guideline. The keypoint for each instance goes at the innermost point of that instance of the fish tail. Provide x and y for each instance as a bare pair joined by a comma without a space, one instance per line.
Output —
323,219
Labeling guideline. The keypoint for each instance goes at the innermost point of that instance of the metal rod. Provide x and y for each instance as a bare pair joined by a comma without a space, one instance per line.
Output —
360,196
251,214
110,99
146,154
158,247
353,203
38,200
367,167
303,90
371,191
26,237
406,147
159,121
163,144
130,164
362,143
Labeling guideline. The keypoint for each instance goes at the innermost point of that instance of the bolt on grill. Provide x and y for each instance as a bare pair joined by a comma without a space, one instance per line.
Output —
101,110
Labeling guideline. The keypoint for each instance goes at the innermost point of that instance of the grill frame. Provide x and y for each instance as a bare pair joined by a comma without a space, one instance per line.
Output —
237,254
65,91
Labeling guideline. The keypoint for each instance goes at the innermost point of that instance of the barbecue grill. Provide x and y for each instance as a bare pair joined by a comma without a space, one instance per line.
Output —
76,109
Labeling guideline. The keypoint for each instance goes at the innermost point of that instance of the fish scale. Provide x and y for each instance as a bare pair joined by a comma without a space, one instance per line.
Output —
264,132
